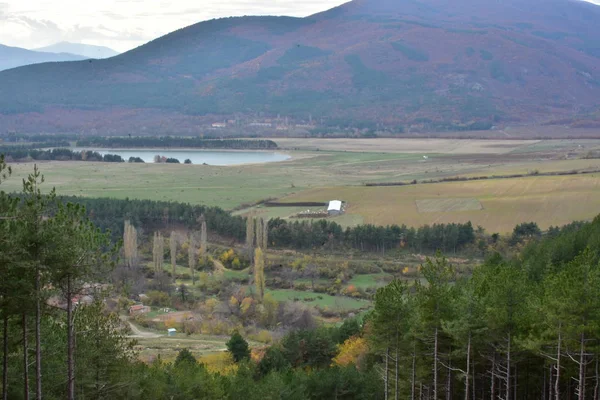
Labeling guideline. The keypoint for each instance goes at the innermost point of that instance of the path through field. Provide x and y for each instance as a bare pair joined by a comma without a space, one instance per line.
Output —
139,334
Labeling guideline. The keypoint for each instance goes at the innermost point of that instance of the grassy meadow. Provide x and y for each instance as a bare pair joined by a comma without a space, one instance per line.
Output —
326,169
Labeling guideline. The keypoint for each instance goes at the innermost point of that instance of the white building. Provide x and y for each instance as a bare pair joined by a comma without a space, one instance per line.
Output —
335,207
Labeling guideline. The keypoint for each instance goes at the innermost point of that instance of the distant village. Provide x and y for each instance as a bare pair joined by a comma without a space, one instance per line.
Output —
277,124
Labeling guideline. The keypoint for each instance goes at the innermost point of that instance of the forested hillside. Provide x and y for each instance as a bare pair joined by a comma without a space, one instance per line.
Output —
469,64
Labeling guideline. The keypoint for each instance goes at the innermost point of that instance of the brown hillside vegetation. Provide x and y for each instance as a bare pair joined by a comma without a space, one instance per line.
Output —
420,64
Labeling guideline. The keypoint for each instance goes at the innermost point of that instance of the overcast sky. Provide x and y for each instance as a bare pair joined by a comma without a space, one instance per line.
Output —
125,24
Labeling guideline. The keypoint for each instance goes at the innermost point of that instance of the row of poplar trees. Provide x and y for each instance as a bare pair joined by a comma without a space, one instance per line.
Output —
502,333
130,248
48,250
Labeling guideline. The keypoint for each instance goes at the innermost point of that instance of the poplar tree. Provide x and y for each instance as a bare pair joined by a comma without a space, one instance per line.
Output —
173,253
158,252
264,243
259,232
203,237
130,244
259,273
192,256
250,232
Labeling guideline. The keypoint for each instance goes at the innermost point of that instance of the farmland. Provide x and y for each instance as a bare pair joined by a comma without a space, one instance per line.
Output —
326,169
555,200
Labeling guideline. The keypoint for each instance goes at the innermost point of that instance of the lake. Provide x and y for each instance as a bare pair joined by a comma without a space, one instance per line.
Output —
197,156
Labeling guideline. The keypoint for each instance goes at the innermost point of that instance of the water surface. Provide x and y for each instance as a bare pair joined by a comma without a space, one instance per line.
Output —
197,156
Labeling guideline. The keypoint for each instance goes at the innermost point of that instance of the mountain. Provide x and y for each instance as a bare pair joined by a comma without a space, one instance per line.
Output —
86,50
432,64
12,57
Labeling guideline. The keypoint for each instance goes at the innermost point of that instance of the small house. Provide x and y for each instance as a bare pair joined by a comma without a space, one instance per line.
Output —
335,207
172,331
138,309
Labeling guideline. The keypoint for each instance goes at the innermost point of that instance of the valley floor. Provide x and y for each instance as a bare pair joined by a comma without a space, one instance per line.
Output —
327,169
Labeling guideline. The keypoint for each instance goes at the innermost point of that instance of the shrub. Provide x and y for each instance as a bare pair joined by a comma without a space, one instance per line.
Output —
158,299
262,336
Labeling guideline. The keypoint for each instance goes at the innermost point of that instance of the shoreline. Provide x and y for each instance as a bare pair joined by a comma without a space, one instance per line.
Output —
97,148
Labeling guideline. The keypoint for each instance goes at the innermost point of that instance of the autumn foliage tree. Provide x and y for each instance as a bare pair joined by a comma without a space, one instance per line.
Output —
259,273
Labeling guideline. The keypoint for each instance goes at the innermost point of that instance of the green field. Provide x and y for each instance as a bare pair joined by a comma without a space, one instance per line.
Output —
324,170
370,281
333,303
227,187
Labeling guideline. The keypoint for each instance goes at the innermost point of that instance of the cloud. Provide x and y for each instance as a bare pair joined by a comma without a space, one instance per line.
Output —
123,24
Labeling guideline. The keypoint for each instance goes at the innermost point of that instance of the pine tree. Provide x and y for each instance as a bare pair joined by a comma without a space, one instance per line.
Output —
32,236
75,257
238,347
185,359
390,324
572,311
502,288
9,291
433,306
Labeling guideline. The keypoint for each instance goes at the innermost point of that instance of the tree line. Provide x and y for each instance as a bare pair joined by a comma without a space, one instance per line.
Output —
18,153
313,234
178,142
149,215
299,235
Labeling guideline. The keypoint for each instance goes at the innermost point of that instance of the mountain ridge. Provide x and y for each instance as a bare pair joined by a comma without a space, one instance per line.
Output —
84,50
414,63
14,57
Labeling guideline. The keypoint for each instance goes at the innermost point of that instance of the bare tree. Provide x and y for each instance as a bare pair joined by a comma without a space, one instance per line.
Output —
192,256
130,244
203,235
173,252
158,253
250,232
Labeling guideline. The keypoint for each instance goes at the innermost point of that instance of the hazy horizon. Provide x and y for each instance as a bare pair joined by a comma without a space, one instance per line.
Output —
125,24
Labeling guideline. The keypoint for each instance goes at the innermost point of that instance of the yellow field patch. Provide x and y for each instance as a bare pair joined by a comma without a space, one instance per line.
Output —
547,200
448,205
